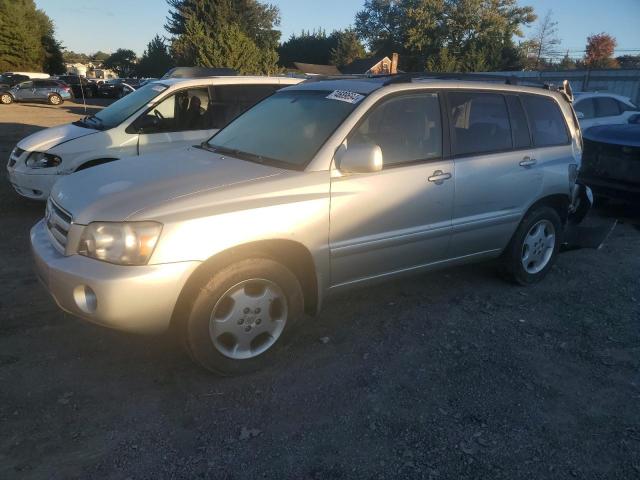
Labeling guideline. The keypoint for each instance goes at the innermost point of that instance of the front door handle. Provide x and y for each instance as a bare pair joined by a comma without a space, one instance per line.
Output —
439,176
528,162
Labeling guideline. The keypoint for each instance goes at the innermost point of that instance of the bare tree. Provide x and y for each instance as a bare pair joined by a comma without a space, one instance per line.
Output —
545,38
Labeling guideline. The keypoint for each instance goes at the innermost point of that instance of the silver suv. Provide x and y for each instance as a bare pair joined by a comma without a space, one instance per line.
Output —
322,186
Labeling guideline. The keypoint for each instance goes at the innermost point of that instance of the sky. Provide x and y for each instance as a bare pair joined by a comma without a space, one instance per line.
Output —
87,26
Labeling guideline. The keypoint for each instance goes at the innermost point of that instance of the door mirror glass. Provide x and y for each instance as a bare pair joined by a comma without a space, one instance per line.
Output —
359,158
147,124
579,115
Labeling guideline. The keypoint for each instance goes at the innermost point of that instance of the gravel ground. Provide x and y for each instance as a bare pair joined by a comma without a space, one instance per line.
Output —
455,374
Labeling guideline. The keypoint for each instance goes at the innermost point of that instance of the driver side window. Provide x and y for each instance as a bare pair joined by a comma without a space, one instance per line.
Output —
183,111
25,86
406,128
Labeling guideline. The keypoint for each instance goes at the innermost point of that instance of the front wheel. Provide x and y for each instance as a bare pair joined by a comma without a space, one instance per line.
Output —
534,247
242,315
6,99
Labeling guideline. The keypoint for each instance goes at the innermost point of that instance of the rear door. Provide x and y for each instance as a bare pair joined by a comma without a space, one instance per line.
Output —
496,174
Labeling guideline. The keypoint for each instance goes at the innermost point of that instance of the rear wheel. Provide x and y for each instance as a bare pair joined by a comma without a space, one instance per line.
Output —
242,315
6,99
55,99
534,247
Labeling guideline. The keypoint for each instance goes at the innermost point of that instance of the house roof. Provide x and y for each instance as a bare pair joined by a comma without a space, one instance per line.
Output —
361,65
314,69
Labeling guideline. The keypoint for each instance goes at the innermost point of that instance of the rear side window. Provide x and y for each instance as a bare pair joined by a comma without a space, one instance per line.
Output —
587,108
546,121
519,127
606,107
407,129
229,101
479,122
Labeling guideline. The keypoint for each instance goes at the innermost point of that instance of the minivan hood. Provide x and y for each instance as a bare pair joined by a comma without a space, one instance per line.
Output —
50,137
116,191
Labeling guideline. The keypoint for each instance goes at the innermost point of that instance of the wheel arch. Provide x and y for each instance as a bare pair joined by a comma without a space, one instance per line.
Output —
559,202
294,255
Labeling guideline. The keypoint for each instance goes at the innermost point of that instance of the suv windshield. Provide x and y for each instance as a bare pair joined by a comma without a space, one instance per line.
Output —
119,111
287,129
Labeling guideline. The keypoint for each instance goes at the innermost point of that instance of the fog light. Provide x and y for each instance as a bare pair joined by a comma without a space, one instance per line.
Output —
85,298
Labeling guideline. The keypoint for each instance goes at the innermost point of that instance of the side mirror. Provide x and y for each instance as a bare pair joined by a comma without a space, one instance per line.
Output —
146,123
359,158
579,115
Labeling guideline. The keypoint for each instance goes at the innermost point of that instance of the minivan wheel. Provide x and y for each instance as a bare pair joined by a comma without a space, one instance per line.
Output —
55,99
6,99
534,247
242,315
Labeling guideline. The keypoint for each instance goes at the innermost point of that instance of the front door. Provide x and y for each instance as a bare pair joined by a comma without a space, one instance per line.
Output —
25,91
397,219
182,119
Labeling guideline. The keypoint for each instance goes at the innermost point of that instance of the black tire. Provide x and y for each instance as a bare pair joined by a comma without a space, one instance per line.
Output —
55,99
512,257
195,329
6,98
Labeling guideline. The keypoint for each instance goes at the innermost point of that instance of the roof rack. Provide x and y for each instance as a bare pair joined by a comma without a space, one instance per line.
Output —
565,88
198,72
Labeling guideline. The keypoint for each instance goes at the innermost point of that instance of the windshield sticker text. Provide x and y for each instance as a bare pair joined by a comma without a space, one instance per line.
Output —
345,96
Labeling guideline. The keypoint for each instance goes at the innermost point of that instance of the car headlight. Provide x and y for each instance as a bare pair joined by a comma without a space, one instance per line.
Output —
122,243
42,160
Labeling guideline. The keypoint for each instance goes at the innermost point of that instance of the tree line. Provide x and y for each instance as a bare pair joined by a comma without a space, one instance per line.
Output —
434,35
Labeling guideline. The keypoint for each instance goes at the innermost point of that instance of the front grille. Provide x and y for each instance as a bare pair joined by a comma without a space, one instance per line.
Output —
58,225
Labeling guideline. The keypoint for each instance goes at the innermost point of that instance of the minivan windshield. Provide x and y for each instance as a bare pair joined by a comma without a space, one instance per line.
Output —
287,129
119,111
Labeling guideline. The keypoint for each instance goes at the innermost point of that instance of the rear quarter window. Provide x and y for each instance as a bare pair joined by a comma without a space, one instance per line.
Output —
547,123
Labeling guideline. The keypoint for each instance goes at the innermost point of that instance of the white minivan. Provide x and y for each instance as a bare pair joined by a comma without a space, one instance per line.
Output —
170,113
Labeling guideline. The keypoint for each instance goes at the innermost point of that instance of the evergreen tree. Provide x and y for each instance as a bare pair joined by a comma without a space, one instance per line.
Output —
224,33
348,48
27,39
156,59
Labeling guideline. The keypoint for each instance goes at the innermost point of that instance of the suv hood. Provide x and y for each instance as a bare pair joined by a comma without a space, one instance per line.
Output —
50,137
116,191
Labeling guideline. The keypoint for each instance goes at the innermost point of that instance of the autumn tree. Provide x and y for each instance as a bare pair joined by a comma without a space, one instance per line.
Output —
599,51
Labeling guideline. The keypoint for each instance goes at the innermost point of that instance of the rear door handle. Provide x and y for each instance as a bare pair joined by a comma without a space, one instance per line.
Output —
528,162
439,176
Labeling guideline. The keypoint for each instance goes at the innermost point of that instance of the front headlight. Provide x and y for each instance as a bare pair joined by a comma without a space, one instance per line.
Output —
125,243
42,160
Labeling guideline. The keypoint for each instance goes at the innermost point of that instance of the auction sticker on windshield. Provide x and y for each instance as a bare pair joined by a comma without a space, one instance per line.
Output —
345,96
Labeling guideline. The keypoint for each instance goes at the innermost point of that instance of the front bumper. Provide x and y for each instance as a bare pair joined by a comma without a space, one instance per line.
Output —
34,186
132,298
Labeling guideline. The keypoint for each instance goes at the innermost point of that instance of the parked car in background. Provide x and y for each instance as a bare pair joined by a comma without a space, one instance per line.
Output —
118,87
80,86
602,109
51,91
160,115
611,160
10,80
322,186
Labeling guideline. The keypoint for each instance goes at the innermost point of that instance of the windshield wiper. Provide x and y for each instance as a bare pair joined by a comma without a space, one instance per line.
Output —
95,122
251,157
